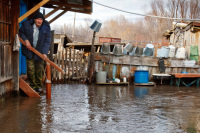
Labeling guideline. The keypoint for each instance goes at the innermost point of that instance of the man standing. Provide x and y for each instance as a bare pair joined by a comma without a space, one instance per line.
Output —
36,33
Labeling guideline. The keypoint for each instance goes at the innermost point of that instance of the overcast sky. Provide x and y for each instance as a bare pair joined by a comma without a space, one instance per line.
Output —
104,13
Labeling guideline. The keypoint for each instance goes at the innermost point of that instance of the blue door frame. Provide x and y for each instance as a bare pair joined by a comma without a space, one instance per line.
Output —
22,59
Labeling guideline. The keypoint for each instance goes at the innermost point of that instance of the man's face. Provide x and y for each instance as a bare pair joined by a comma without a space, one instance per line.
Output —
38,22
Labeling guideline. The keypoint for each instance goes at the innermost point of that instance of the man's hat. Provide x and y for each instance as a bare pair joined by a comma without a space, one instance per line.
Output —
38,15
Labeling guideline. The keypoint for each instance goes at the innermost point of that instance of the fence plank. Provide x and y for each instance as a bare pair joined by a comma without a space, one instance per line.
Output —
73,65
77,63
62,75
84,67
69,67
66,65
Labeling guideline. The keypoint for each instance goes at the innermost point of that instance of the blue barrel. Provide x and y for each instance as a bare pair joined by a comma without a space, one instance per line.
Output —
141,76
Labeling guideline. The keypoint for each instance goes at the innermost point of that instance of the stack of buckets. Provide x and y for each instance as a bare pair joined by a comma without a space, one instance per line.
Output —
141,76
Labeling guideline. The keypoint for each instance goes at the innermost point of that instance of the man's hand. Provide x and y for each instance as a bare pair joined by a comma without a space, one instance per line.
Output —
44,56
28,45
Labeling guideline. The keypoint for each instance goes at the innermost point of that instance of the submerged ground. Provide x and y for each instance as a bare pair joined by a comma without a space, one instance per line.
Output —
82,108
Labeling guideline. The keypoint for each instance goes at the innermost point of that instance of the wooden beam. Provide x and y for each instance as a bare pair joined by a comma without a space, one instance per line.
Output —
63,12
52,12
27,89
40,55
71,5
32,10
6,79
79,11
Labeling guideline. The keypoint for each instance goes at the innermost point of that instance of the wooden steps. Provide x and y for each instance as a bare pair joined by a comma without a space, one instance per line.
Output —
27,89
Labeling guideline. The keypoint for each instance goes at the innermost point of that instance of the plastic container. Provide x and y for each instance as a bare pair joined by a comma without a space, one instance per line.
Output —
163,52
101,77
172,50
141,76
124,79
180,53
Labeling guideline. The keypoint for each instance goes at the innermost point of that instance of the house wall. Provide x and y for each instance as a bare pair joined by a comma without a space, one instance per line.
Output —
185,38
9,67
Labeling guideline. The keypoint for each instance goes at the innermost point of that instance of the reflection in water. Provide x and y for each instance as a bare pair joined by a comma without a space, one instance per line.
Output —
81,108
140,92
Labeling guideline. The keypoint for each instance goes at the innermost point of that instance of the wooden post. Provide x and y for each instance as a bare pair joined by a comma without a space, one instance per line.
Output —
48,81
91,65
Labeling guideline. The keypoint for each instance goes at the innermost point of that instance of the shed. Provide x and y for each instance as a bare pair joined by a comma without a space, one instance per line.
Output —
12,12
184,35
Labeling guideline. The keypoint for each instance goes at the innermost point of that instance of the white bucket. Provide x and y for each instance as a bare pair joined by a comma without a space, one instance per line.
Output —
172,50
180,53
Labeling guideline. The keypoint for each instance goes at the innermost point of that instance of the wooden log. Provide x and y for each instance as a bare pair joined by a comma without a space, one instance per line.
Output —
27,89
40,55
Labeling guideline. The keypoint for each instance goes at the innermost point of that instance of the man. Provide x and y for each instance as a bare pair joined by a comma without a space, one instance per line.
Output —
36,33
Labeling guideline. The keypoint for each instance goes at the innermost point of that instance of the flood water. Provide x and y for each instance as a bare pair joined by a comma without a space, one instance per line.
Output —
111,109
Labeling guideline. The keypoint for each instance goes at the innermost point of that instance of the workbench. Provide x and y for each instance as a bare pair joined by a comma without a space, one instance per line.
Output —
180,76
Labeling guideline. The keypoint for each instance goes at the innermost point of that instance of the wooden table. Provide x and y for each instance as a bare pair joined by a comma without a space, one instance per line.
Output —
180,76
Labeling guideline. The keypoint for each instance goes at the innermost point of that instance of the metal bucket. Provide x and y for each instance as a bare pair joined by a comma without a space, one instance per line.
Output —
118,49
129,47
96,25
105,49
138,51
148,51
133,51
101,77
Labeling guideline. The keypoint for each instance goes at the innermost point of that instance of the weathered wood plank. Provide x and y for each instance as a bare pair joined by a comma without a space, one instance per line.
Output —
32,10
138,60
69,67
27,89
73,64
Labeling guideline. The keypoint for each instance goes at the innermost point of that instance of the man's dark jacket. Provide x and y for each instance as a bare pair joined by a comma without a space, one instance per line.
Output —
44,38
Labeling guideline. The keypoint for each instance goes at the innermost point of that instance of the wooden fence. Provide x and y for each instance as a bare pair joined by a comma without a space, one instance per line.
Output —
73,62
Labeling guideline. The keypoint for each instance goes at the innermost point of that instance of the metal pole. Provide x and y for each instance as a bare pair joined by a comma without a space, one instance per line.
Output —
91,66
48,81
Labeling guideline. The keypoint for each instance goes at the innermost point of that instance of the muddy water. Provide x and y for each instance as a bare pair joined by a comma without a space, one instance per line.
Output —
82,108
